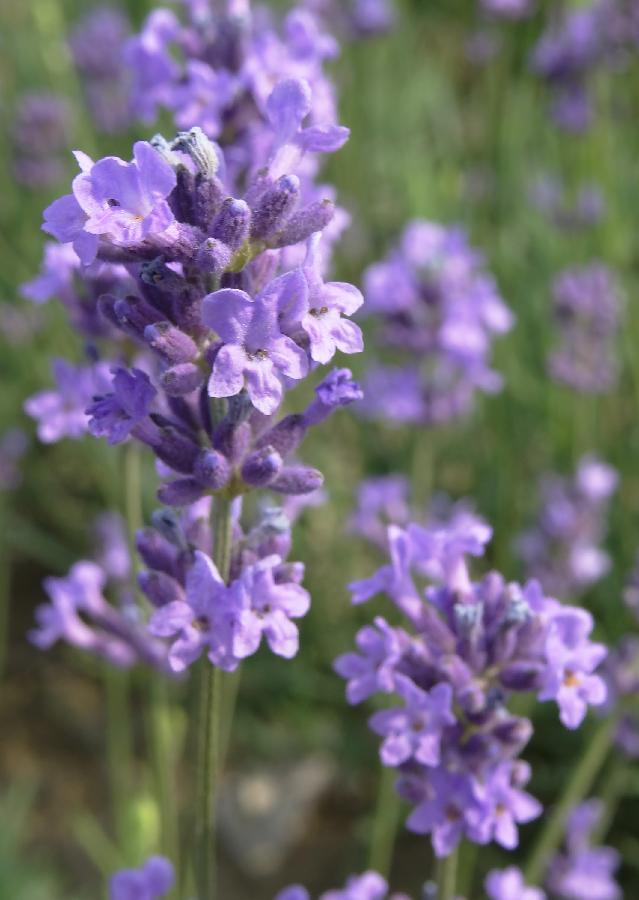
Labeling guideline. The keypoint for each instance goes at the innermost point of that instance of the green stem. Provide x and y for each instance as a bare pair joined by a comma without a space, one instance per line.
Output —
576,790
385,823
210,726
119,747
447,876
5,591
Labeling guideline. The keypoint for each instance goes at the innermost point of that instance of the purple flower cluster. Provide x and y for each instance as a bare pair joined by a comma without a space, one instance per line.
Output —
368,886
150,882
437,306
584,871
508,884
577,43
509,9
570,212
468,647
96,45
196,612
563,549
587,310
40,136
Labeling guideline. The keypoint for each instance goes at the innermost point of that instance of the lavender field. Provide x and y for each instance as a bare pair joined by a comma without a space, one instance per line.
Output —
319,450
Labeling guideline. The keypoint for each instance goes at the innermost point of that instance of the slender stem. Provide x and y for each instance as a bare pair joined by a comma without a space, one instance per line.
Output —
385,823
119,749
210,726
447,876
5,591
577,787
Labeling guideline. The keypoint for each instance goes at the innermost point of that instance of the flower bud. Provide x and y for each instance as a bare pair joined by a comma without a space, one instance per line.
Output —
304,223
213,256
160,588
207,199
233,223
521,676
202,151
262,467
286,436
134,314
233,440
181,379
156,551
170,343
513,734
168,525
181,492
275,206
212,469
176,450
298,480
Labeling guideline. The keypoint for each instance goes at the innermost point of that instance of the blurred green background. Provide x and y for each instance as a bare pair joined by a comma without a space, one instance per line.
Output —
432,136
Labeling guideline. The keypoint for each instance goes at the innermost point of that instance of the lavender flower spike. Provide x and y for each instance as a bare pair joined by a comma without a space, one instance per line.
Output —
508,884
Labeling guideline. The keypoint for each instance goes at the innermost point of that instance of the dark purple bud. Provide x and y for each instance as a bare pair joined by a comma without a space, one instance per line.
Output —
304,223
275,206
182,492
181,199
179,244
160,588
521,676
106,308
207,200
514,734
213,256
202,151
134,314
155,550
158,274
262,467
286,436
181,380
170,343
233,440
166,522
212,469
176,450
233,223
298,480
472,698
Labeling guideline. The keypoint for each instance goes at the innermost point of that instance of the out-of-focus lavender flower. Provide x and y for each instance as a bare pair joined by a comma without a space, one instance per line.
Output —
368,886
113,554
482,45
509,9
433,300
471,643
587,309
41,135
116,413
509,884
150,882
13,446
563,549
582,209
96,45
381,502
79,614
583,871
61,413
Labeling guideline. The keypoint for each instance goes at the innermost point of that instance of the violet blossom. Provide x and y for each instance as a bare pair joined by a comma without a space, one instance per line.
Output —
151,881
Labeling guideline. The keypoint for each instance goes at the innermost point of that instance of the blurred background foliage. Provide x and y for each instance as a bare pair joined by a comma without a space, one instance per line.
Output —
432,136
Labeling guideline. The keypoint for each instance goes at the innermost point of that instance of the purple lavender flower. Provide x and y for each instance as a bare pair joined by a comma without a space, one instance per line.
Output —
509,884
368,886
587,309
253,348
124,201
380,502
115,414
319,311
562,550
40,137
509,9
434,301
571,660
583,870
414,732
79,614
150,882
469,646
61,413
97,48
